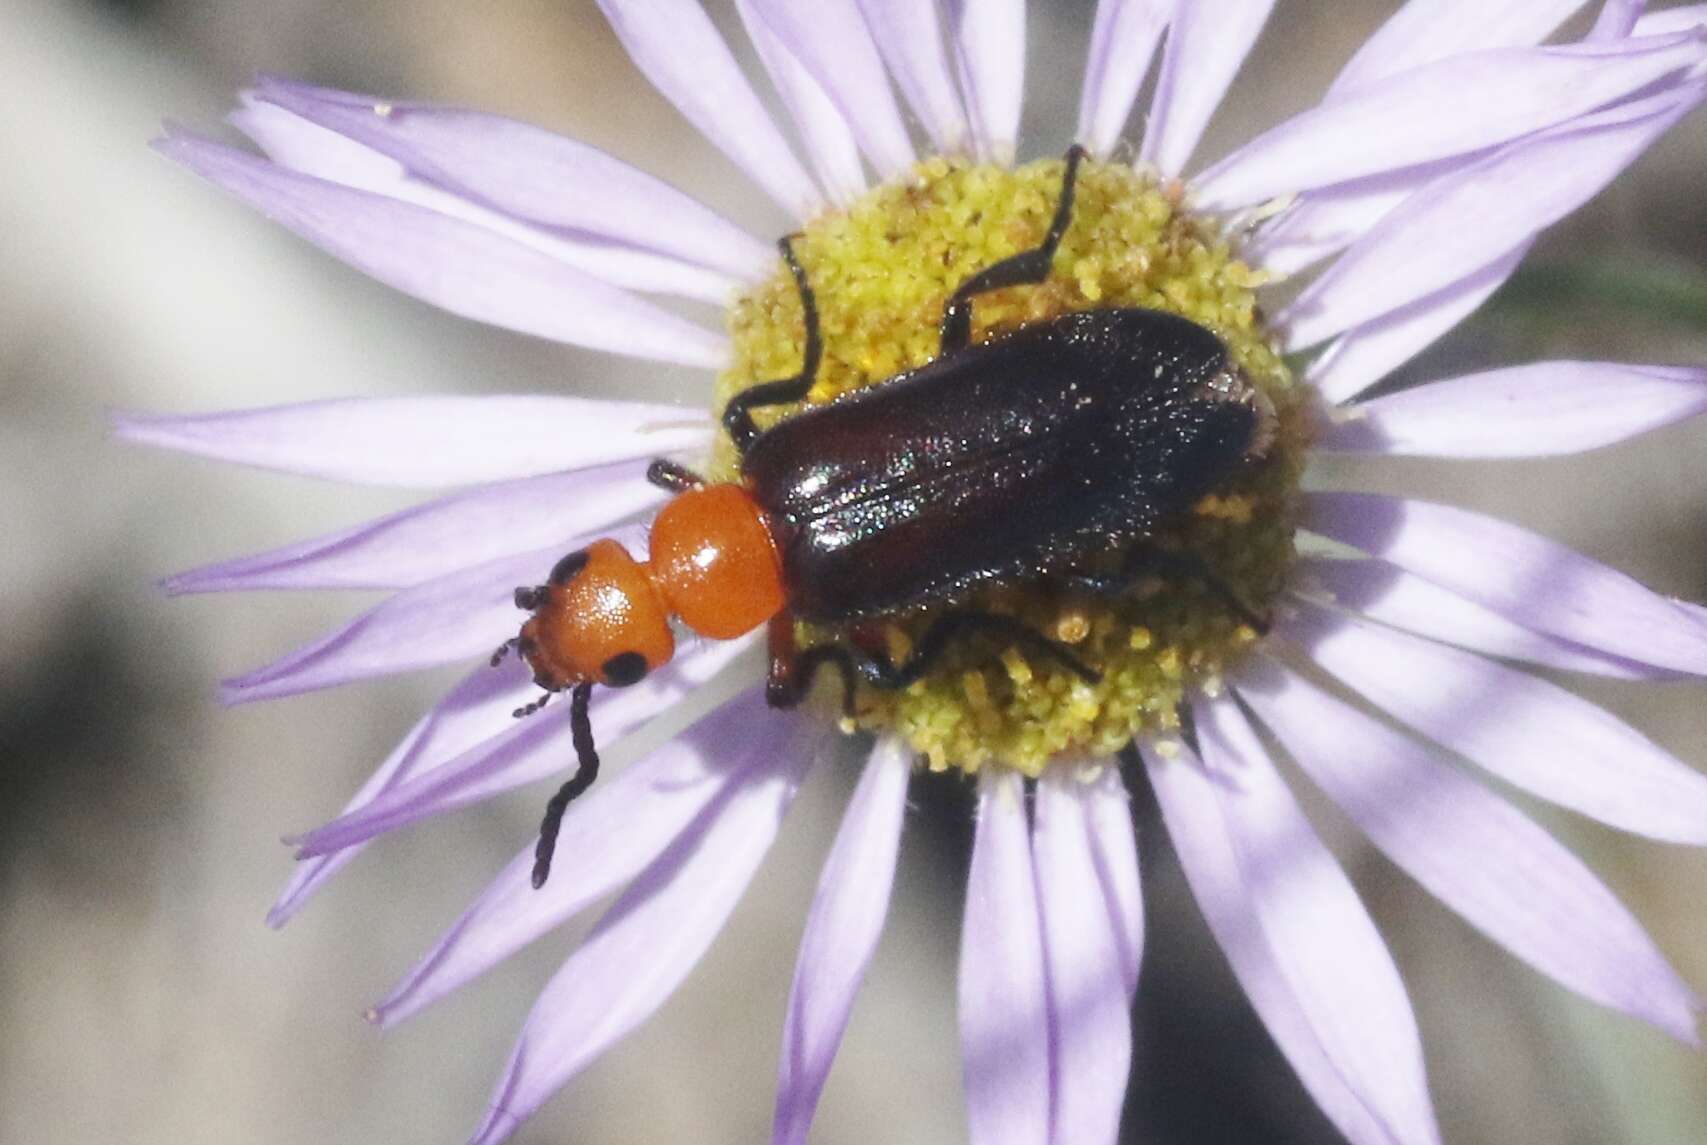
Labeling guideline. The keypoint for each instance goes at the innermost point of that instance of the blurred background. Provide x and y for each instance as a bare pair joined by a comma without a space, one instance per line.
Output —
141,997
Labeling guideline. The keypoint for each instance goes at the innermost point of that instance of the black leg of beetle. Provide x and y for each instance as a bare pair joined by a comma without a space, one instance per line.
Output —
737,415
673,478
1141,562
581,730
952,625
1025,268
792,671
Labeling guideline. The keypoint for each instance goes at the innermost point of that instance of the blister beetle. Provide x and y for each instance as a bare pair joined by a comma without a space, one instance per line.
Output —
1010,461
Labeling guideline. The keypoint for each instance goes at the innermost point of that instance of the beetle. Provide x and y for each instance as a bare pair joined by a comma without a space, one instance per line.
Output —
1006,462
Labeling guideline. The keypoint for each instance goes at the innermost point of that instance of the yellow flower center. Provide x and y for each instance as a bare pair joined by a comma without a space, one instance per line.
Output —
881,271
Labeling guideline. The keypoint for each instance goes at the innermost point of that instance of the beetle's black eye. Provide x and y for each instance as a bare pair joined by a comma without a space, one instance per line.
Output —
622,670
564,570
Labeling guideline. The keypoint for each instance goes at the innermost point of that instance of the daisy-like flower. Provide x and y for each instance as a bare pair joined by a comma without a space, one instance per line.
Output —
1448,143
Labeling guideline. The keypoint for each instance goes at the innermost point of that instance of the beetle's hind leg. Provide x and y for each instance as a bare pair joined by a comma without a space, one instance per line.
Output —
1145,561
1023,269
737,415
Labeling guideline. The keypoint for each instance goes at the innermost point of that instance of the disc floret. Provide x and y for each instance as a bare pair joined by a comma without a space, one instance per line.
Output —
882,270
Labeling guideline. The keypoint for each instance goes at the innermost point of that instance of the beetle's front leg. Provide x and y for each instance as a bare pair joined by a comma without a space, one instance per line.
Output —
737,415
792,671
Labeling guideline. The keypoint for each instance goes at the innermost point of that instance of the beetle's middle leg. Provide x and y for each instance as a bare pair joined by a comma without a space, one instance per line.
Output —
737,415
792,671
950,626
1146,561
1023,269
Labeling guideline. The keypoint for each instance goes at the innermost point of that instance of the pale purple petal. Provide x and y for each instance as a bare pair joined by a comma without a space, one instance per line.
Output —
1521,576
1328,220
1114,840
678,49
1682,18
423,443
1365,354
440,537
1452,107
1003,994
646,944
533,175
1617,19
1123,41
1477,853
1325,945
829,140
609,836
454,264
1207,43
1529,732
1385,592
1540,410
1427,30
526,751
474,710
1192,811
830,39
1468,220
910,39
1089,1021
306,147
841,935
989,56
449,618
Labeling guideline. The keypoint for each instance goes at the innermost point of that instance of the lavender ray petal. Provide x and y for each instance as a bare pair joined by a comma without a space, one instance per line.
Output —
1114,842
1475,852
533,176
1540,410
1532,734
473,711
1617,19
831,41
609,836
438,538
526,751
1382,591
1465,221
454,617
452,263
909,38
676,47
1365,354
1089,1019
310,149
1207,43
841,935
829,140
1683,18
989,58
1424,31
1323,941
1003,993
645,945
423,443
1452,107
1325,221
1523,577
1123,42
1200,834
